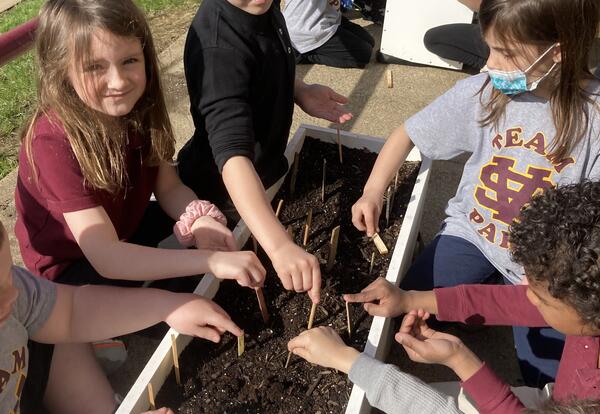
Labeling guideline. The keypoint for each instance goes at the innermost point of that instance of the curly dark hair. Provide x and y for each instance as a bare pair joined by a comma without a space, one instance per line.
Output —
557,240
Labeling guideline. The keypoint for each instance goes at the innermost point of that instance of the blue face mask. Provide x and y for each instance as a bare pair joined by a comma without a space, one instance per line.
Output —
515,82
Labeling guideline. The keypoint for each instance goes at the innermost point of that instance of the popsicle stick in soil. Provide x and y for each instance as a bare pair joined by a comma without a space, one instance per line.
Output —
388,204
348,320
294,173
240,344
307,226
262,304
175,359
389,78
380,244
372,263
339,142
333,245
151,396
279,206
323,180
311,317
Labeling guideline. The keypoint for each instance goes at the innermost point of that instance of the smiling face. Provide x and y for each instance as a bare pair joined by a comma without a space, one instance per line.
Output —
557,313
113,77
8,293
256,7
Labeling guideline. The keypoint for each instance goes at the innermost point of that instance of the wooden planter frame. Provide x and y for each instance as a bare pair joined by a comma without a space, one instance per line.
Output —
161,362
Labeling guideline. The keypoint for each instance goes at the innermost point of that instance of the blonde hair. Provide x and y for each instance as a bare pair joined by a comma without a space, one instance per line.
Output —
63,37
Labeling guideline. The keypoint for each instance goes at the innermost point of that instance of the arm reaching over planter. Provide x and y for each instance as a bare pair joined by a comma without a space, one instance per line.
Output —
387,388
381,298
366,211
297,269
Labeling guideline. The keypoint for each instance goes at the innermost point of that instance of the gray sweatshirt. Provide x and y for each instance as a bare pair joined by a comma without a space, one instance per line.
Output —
394,391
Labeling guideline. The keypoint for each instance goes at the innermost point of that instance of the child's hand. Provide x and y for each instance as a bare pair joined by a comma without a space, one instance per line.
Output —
323,346
242,266
381,298
212,235
366,211
298,270
322,102
201,317
423,344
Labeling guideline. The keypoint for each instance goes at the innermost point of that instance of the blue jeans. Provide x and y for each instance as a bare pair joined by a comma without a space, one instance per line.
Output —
451,261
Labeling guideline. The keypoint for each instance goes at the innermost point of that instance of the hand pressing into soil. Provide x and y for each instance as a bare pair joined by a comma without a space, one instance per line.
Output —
366,212
381,298
209,234
197,316
244,267
323,346
426,345
298,270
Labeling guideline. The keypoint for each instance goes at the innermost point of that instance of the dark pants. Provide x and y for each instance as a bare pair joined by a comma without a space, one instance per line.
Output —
459,42
451,261
350,47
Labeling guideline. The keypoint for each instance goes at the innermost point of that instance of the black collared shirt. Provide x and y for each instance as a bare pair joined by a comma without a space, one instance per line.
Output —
240,72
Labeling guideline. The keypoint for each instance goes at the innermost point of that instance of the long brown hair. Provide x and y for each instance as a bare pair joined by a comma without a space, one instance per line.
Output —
571,23
63,38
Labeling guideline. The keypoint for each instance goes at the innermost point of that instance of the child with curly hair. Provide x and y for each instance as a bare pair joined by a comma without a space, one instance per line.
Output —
557,241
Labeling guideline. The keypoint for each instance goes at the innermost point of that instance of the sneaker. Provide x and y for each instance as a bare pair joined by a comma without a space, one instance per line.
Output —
111,354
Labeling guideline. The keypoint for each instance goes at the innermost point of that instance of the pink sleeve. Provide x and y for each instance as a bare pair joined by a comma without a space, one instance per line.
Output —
490,394
59,176
488,305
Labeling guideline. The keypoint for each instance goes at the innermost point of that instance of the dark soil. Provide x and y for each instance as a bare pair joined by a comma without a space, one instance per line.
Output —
216,380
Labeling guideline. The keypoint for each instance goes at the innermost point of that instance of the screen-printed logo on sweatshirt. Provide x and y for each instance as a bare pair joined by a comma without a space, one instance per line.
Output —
506,184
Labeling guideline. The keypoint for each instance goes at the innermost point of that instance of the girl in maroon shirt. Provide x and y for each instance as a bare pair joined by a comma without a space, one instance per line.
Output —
97,147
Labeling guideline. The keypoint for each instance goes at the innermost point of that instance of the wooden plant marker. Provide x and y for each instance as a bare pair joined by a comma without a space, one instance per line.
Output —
151,396
339,142
333,245
389,78
307,226
279,206
380,244
388,206
323,181
175,359
348,319
311,317
241,344
294,173
287,361
396,181
372,263
262,304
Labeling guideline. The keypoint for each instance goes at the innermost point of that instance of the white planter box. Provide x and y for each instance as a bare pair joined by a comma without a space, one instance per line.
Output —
160,364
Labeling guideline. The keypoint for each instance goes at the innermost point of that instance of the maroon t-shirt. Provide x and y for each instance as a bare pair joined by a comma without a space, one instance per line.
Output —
47,245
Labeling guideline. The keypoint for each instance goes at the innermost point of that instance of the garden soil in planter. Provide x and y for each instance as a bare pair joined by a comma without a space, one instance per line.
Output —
215,379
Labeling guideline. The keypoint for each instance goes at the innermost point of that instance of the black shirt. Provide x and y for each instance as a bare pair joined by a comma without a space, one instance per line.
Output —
240,72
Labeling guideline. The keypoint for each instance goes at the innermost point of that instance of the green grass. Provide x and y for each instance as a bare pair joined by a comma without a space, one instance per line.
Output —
18,77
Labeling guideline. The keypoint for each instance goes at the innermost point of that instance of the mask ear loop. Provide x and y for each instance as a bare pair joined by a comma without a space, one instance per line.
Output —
541,57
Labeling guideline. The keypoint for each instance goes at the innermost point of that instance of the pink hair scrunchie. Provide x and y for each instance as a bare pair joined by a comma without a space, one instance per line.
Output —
196,209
